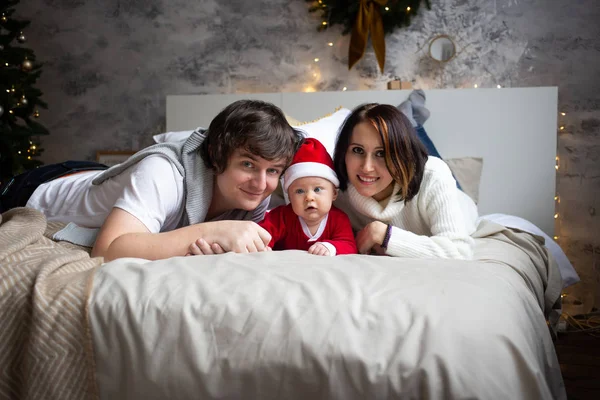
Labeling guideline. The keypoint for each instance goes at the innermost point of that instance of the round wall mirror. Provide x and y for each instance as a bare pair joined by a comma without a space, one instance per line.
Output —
442,48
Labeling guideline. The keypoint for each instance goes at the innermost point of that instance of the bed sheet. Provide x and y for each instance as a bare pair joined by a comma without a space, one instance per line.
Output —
296,326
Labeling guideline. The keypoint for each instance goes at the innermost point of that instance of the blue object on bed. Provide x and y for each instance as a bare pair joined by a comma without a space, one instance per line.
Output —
416,112
431,150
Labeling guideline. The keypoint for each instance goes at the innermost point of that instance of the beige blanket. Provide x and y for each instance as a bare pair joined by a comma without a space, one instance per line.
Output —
289,325
45,345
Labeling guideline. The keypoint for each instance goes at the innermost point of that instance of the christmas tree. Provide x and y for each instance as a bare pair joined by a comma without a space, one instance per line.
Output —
19,99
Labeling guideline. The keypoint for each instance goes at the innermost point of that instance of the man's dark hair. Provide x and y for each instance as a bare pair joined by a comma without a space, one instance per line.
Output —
255,126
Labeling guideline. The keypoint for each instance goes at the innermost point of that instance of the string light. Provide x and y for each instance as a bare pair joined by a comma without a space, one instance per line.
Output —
316,59
344,89
324,23
499,87
556,216
475,86
408,9
563,114
555,237
330,44
562,128
387,9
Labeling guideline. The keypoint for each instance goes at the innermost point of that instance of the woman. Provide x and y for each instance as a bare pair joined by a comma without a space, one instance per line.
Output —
402,202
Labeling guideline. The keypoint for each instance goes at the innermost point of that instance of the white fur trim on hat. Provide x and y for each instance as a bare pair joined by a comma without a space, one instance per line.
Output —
302,170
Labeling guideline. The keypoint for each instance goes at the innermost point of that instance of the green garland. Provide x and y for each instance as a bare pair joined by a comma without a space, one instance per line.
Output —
395,14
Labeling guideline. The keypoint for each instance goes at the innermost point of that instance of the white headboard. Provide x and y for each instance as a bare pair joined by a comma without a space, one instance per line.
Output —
514,130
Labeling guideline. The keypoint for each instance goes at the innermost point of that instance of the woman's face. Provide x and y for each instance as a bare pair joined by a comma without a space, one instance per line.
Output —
365,163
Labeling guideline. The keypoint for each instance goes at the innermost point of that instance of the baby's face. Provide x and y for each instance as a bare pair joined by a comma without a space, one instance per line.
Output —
311,198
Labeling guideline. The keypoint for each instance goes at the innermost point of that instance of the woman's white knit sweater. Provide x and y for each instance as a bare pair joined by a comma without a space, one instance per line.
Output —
431,224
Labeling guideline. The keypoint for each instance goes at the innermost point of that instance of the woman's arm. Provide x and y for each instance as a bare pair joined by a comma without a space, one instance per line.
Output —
123,235
440,208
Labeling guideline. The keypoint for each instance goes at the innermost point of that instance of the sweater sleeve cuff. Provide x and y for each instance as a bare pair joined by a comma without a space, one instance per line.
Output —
330,247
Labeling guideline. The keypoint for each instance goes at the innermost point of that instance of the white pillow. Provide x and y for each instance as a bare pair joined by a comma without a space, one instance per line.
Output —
567,272
325,129
467,171
172,136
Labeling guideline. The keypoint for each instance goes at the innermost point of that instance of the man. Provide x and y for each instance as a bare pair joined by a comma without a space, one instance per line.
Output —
214,185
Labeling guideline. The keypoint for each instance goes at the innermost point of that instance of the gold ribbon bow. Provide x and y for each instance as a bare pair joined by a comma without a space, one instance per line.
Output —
368,19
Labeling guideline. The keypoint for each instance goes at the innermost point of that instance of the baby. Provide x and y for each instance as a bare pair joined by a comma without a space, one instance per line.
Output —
310,222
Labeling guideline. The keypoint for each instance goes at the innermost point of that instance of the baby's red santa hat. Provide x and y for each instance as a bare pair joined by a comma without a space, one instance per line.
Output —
311,159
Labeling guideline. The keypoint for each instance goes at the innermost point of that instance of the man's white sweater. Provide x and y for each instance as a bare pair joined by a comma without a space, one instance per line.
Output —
437,222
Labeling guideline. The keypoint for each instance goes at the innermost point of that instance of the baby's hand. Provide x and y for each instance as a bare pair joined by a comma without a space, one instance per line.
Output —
318,249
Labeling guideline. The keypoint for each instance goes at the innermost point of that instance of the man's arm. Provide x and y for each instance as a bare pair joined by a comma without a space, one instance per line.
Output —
123,235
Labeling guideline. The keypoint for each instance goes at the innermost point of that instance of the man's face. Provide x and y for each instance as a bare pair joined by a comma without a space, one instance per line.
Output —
311,198
247,180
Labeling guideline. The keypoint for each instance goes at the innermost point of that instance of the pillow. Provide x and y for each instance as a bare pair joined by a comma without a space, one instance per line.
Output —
292,121
567,272
467,172
172,136
325,129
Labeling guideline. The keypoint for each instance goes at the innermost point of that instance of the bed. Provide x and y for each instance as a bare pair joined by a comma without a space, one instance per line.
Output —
295,326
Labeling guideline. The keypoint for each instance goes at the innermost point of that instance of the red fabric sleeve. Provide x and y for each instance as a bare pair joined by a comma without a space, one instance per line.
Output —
342,236
274,224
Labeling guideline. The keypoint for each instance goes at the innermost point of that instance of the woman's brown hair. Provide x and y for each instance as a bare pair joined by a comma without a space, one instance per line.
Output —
405,155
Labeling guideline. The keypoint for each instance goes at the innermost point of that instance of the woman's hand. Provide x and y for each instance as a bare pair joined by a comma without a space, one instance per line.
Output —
318,249
369,236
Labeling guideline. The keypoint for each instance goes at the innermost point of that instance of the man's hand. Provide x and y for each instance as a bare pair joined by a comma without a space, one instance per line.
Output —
370,235
231,236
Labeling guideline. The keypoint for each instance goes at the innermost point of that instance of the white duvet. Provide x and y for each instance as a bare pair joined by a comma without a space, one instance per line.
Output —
289,325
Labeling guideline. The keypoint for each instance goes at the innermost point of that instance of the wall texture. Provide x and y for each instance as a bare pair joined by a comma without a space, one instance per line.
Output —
110,64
